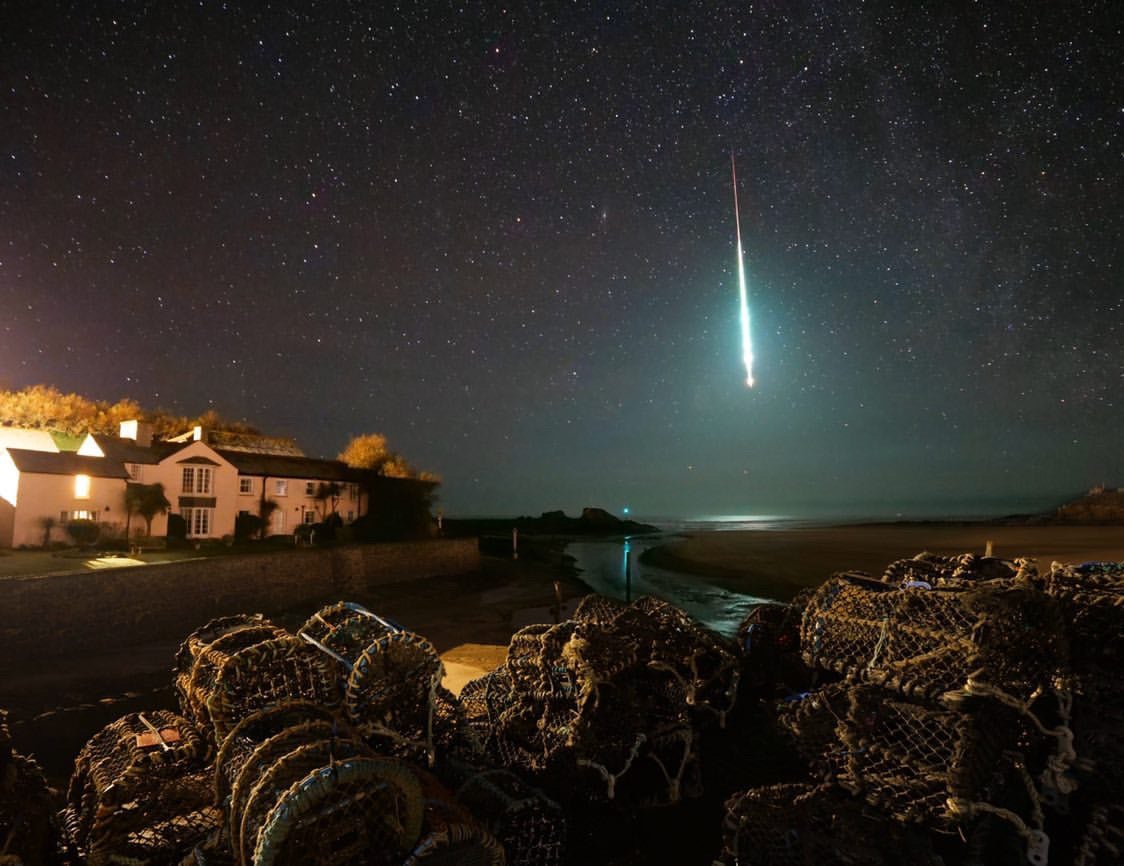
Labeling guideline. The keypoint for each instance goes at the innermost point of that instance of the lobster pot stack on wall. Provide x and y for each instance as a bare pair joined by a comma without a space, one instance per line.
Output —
953,703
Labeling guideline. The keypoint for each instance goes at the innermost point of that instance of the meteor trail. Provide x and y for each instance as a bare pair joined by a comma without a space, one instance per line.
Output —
747,340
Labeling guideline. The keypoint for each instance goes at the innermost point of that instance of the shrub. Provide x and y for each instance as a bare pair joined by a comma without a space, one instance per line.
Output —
83,533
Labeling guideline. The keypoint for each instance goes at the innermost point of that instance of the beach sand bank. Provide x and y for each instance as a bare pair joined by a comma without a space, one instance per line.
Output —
779,563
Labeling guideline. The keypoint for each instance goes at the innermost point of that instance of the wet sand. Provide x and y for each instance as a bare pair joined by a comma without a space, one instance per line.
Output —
778,564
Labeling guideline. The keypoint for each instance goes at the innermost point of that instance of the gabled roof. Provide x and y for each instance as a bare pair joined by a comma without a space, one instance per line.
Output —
66,463
128,451
277,466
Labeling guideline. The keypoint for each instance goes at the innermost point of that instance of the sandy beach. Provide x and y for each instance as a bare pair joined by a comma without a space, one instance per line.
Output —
778,564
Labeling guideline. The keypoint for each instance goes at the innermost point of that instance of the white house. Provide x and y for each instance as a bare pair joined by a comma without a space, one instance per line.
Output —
207,486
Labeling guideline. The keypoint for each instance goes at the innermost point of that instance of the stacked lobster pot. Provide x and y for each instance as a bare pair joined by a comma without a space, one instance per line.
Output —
604,707
390,678
952,704
280,756
140,791
27,815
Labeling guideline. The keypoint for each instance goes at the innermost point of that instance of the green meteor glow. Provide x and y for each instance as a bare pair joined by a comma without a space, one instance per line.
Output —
743,294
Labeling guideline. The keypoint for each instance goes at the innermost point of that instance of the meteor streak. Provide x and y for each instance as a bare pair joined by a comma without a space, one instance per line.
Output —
743,295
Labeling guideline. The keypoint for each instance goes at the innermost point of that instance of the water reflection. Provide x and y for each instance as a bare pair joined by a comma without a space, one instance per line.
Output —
613,568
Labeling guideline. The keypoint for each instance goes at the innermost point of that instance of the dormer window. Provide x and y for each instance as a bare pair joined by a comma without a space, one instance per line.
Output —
81,486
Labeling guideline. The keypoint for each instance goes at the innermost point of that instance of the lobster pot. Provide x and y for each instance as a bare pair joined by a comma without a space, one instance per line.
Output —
1092,600
318,806
705,666
812,721
140,791
389,677
266,674
797,825
27,813
922,643
346,628
450,833
258,727
254,769
391,694
956,571
202,656
530,826
597,608
909,760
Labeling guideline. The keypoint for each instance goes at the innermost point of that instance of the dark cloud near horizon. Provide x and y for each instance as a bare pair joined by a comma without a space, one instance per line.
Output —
505,239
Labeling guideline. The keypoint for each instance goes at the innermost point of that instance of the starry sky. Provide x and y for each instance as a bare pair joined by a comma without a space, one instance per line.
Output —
505,239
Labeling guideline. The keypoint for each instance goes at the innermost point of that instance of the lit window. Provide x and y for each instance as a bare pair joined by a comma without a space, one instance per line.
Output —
281,487
245,485
81,486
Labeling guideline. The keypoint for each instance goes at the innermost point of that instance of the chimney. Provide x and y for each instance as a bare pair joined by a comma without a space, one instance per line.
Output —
197,433
139,431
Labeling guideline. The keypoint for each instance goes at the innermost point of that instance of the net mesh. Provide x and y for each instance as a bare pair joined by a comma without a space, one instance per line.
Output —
268,673
530,826
607,704
356,810
800,825
140,790
926,642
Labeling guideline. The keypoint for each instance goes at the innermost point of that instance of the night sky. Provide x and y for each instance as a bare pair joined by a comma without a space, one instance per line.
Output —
505,239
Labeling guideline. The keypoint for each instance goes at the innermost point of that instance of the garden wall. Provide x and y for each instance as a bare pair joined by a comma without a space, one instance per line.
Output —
63,614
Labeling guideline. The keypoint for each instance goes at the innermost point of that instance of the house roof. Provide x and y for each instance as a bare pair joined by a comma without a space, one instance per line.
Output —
66,463
30,440
128,451
278,466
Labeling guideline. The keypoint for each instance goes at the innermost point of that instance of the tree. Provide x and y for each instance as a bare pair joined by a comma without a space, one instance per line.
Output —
371,451
265,511
147,500
328,493
47,523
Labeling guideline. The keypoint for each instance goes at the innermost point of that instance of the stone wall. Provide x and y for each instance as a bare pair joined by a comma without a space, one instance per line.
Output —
62,614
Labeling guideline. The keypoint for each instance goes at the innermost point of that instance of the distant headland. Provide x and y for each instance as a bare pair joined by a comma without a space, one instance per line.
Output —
592,522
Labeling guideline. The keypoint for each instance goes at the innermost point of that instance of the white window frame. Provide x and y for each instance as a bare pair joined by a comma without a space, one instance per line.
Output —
200,521
280,487
197,479
310,488
246,486
81,486
310,517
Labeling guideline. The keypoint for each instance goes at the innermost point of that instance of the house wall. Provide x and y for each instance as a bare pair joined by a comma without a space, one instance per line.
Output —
296,502
47,495
65,614
224,489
